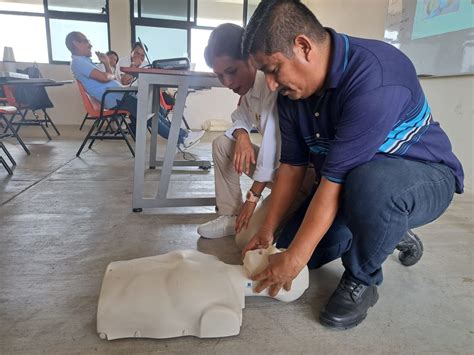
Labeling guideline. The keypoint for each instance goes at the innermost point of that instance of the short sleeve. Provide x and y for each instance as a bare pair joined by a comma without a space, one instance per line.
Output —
365,122
82,68
293,148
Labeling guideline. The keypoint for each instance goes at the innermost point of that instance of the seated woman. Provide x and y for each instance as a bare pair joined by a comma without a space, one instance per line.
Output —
96,82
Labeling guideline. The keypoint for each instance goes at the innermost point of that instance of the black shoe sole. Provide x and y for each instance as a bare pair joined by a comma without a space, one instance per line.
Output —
411,252
343,326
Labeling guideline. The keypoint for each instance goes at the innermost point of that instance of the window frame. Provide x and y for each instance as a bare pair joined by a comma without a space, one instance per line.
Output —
187,25
64,15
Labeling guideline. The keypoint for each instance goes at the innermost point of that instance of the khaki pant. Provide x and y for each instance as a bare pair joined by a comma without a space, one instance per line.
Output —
229,193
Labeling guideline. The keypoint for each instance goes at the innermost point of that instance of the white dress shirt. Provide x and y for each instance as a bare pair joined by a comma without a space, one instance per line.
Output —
127,62
257,108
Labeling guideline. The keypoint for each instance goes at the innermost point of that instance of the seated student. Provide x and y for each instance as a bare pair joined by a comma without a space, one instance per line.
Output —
113,59
96,83
136,59
233,152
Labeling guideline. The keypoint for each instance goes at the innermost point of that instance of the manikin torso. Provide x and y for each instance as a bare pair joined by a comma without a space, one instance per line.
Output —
181,293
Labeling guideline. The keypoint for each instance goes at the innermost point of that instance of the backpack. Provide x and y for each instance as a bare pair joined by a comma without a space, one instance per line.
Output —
34,97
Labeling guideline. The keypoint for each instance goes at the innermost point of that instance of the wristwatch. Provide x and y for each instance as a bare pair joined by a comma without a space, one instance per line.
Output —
252,196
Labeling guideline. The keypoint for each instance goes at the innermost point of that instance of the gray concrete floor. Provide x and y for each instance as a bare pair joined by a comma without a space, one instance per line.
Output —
63,219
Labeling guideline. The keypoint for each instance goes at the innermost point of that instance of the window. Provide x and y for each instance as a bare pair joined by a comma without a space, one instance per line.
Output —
96,32
214,12
37,33
28,46
163,42
182,27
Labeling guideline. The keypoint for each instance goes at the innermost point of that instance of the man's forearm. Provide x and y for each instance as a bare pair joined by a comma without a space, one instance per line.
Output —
108,68
288,179
318,219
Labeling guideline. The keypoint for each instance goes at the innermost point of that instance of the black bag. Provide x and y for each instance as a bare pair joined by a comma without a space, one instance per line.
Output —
34,97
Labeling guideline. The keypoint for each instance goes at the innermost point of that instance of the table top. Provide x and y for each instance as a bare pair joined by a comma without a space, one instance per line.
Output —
136,71
34,81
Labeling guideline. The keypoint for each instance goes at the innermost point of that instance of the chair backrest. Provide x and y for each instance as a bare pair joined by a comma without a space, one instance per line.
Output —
166,101
8,97
91,105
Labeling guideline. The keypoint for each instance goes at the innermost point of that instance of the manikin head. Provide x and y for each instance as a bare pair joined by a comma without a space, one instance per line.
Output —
78,44
286,41
137,54
224,55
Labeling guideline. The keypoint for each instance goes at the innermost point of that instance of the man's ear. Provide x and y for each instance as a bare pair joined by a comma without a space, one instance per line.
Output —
303,45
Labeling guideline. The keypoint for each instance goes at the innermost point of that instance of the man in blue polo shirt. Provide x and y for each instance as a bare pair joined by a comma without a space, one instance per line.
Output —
354,109
97,81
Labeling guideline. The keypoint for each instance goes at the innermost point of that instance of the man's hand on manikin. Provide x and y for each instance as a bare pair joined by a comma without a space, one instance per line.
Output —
282,270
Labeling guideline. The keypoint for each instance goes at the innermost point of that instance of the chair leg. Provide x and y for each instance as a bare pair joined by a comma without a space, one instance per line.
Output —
83,121
96,122
18,125
122,133
99,127
5,165
48,119
42,126
9,127
7,153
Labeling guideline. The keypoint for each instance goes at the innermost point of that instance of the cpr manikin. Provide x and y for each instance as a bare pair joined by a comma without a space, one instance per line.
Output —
182,293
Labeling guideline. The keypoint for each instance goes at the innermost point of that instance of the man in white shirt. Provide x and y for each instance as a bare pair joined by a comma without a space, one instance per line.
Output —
113,60
233,153
136,59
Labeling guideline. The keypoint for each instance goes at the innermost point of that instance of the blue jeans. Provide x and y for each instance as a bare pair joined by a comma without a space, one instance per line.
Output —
129,103
381,200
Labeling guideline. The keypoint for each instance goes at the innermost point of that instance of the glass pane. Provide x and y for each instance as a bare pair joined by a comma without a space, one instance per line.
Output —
22,5
199,40
96,32
169,10
28,46
252,5
135,8
214,12
191,13
87,6
163,42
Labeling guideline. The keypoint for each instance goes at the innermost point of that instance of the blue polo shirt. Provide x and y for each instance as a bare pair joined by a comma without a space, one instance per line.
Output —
82,67
371,107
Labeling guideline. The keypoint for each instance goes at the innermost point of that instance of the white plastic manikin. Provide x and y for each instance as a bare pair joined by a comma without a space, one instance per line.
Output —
182,293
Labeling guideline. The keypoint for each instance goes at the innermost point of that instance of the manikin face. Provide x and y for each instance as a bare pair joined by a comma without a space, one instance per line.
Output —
138,56
297,77
237,75
82,46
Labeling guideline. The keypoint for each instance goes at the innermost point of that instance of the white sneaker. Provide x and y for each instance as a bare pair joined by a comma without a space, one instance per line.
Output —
217,228
193,138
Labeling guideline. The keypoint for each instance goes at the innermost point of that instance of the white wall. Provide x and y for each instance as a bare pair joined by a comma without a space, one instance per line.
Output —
451,99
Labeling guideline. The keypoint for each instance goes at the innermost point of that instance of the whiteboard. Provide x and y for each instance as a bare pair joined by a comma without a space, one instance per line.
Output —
437,35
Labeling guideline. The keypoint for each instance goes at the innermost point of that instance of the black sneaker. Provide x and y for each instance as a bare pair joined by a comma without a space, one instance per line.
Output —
411,249
348,305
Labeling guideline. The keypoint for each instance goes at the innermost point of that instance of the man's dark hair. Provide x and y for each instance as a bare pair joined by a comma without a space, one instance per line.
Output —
276,23
136,45
73,36
225,40
114,53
